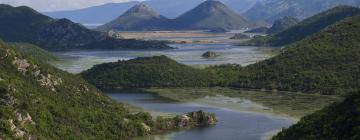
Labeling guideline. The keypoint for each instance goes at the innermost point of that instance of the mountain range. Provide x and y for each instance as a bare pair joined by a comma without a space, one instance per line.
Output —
306,27
23,24
169,8
270,10
202,17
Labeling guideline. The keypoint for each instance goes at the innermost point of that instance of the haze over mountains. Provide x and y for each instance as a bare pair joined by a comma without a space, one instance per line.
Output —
23,24
202,17
270,10
168,8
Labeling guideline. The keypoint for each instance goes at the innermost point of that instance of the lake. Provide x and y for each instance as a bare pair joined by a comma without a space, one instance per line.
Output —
232,125
191,54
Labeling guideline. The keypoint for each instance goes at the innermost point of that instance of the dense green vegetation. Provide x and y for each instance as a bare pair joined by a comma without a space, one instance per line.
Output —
23,24
39,101
340,121
306,28
157,71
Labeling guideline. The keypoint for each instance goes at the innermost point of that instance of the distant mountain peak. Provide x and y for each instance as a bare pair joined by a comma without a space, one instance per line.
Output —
142,8
213,14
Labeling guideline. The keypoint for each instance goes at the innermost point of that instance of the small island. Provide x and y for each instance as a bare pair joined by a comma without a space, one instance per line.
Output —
210,54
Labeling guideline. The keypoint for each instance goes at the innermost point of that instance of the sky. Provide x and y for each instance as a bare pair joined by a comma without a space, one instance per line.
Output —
56,5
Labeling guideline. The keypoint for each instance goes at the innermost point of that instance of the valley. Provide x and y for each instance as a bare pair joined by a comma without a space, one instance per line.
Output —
180,70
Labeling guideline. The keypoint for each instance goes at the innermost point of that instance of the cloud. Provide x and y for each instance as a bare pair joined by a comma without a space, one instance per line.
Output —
55,5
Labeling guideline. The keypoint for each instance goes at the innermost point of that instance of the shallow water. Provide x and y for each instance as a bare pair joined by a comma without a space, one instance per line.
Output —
232,125
191,54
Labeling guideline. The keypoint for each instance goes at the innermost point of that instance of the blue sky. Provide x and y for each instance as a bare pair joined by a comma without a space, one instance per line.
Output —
55,5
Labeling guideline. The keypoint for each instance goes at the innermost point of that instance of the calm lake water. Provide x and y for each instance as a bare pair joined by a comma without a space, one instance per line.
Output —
232,125
77,61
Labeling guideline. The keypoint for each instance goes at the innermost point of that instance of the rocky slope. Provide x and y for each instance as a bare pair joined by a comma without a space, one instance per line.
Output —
23,24
270,10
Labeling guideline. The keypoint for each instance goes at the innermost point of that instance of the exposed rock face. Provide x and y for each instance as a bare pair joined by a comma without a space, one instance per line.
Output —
240,36
210,54
22,64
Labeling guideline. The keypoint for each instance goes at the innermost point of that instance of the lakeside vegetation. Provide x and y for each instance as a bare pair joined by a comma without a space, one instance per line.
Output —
295,105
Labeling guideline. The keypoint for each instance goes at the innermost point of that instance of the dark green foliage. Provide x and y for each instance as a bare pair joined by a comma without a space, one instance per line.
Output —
327,63
23,24
340,121
306,28
71,109
157,71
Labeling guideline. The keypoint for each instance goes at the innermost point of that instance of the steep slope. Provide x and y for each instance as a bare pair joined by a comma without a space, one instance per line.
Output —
270,10
38,101
139,17
307,27
282,24
212,14
23,24
169,8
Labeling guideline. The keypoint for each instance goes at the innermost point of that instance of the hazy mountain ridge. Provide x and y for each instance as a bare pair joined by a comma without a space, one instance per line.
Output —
306,27
23,24
201,17
271,10
169,8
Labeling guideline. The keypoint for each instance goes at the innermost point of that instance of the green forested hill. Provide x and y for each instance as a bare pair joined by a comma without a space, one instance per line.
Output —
327,63
32,51
157,71
23,24
340,121
41,102
306,27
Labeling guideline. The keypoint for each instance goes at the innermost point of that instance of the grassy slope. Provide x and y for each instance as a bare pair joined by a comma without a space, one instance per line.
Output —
306,28
61,105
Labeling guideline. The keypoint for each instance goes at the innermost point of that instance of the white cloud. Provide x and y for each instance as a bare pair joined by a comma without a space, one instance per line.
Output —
55,5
